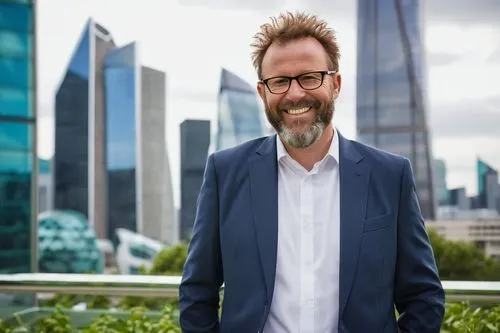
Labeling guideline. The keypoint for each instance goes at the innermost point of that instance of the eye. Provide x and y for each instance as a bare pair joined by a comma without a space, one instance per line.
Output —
279,81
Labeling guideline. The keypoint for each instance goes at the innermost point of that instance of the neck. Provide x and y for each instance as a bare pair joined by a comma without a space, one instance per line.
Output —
308,156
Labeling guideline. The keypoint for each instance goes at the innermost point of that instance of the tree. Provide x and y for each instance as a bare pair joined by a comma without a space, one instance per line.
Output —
458,260
170,261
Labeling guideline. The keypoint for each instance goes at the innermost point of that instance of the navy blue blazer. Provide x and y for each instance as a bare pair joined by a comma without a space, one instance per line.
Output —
386,259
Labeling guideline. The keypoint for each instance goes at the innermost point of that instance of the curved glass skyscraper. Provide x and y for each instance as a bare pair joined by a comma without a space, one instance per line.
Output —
110,161
391,108
239,116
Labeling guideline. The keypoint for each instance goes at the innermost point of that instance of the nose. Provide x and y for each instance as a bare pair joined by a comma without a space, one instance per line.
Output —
295,92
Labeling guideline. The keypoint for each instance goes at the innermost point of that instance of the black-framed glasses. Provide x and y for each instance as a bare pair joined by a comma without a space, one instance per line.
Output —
307,81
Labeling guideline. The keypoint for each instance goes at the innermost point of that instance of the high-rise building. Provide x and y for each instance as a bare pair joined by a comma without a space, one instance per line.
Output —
441,187
110,161
195,140
79,157
239,116
459,198
18,160
391,101
488,192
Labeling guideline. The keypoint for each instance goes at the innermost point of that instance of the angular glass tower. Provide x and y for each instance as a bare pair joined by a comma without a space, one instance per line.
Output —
18,161
391,112
239,112
111,163
488,193
79,157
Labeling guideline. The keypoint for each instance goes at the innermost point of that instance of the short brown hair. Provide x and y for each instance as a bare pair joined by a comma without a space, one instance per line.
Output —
290,26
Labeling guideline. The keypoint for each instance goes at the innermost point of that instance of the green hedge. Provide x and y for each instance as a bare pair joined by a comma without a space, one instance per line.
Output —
462,318
459,318
137,322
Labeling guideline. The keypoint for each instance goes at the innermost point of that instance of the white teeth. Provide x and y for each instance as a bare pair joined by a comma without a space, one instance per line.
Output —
297,111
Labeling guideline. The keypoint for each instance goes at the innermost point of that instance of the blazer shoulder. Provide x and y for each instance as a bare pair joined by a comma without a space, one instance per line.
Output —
381,158
237,154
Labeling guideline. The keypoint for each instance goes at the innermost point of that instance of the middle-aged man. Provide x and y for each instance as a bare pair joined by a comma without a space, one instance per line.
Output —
309,232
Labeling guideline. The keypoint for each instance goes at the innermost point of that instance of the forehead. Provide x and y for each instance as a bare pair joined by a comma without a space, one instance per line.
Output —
294,57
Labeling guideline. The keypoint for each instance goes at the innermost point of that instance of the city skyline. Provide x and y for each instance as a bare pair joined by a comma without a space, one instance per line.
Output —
448,25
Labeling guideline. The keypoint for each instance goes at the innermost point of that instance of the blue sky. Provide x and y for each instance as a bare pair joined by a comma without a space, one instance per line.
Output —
192,39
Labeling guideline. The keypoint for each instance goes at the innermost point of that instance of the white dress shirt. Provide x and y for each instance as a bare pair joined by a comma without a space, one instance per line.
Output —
306,291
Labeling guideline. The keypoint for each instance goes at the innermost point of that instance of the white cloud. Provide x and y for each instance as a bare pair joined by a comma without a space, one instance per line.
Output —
471,42
469,77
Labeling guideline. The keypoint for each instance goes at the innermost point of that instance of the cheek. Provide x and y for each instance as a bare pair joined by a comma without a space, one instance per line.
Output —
325,95
272,102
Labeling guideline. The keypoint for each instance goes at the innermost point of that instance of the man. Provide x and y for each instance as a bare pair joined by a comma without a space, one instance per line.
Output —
308,231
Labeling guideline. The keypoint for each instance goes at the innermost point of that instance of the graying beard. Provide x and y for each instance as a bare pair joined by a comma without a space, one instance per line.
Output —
305,139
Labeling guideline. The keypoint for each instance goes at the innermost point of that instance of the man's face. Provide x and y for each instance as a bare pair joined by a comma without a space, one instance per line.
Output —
299,115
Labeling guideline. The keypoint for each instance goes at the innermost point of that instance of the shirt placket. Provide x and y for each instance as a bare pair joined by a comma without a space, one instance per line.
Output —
307,256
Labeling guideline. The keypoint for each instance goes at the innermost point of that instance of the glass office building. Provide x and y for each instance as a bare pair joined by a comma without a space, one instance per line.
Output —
110,161
442,193
488,189
120,80
239,116
79,157
195,140
18,162
391,101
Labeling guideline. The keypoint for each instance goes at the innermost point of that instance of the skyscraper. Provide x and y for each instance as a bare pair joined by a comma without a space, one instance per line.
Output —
195,140
110,120
441,186
239,115
488,192
18,160
79,158
391,112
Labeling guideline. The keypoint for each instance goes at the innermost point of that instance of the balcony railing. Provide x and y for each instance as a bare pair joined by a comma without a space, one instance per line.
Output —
167,286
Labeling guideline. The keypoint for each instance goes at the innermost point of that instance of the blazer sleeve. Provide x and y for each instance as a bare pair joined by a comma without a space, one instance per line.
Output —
202,275
419,296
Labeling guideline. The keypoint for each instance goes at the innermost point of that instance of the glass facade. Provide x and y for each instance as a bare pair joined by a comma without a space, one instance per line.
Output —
487,185
195,140
67,244
390,88
120,77
110,161
79,157
71,155
442,192
239,113
17,138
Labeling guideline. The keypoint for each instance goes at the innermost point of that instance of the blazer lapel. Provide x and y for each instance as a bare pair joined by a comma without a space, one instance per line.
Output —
264,193
354,180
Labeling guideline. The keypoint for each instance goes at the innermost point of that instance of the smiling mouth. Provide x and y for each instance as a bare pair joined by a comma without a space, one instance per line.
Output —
298,110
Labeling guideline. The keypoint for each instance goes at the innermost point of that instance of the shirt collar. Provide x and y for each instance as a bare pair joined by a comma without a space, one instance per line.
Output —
333,151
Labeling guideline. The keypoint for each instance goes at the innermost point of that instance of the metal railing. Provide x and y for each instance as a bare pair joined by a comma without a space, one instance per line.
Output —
91,284
167,286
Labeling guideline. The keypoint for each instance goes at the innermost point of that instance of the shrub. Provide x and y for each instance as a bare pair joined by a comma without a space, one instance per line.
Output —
138,321
462,318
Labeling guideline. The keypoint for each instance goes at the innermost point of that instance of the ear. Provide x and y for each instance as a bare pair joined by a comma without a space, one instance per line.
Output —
337,84
261,89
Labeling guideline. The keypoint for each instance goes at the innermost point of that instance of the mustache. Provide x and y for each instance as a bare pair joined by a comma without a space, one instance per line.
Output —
305,102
